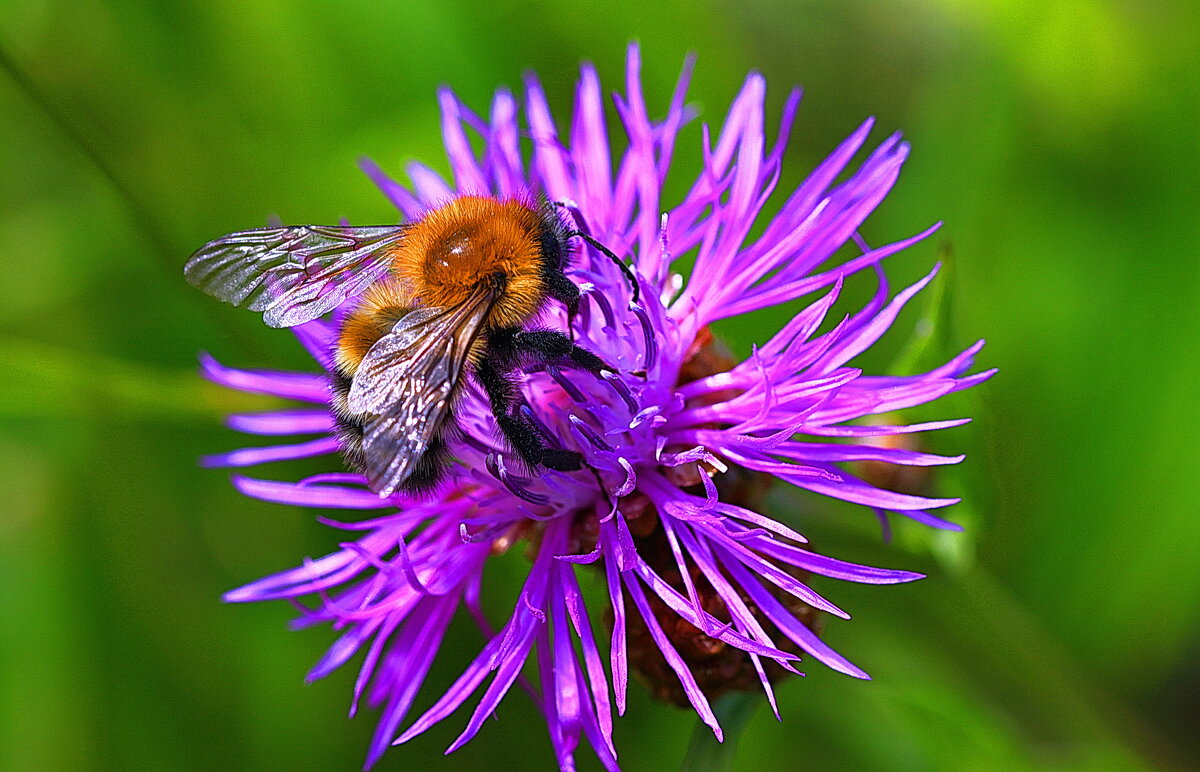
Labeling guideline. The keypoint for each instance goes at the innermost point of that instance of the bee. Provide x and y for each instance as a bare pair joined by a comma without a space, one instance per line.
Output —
448,295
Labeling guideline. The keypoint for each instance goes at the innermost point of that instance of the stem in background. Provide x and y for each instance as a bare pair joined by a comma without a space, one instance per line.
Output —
168,256
704,753
143,220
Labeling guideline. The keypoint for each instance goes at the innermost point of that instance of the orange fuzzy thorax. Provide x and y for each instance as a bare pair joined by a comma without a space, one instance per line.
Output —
476,241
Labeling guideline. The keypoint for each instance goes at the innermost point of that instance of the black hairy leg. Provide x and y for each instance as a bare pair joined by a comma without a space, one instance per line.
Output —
495,374
527,440
555,348
565,291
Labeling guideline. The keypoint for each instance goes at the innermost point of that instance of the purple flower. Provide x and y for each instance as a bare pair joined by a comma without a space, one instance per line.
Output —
705,592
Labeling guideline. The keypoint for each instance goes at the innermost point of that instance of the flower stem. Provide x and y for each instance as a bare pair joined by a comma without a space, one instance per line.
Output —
705,753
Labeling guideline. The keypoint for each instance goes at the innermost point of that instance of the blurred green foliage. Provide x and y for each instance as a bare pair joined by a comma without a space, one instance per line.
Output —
1057,140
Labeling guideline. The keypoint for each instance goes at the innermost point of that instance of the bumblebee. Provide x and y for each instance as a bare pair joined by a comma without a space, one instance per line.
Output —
450,294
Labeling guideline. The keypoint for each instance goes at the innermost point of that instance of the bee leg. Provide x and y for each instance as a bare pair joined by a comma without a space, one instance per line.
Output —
562,289
555,348
527,441
494,374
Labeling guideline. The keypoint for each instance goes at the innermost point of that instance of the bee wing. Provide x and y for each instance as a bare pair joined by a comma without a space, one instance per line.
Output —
406,385
294,274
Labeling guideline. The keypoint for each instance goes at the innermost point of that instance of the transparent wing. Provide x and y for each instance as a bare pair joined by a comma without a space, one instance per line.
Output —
406,386
295,274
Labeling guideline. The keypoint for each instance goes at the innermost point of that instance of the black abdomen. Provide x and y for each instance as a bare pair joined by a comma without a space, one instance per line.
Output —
430,468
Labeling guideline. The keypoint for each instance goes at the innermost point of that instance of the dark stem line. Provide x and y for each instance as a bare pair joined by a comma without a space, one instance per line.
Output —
144,223
733,711
142,219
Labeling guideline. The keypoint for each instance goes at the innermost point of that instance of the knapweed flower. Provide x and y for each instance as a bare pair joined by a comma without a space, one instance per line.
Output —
705,592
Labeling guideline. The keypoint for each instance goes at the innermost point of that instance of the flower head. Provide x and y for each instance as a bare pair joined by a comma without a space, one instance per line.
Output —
705,592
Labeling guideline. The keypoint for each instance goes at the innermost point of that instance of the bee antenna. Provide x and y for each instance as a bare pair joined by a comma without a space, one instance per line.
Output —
620,263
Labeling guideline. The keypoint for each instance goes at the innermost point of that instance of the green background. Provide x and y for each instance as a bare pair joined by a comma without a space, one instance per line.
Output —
1058,141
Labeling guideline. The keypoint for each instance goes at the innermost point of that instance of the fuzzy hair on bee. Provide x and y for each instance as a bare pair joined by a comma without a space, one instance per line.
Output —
448,295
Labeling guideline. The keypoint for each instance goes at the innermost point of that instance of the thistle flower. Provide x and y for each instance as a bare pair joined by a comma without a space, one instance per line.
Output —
705,592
